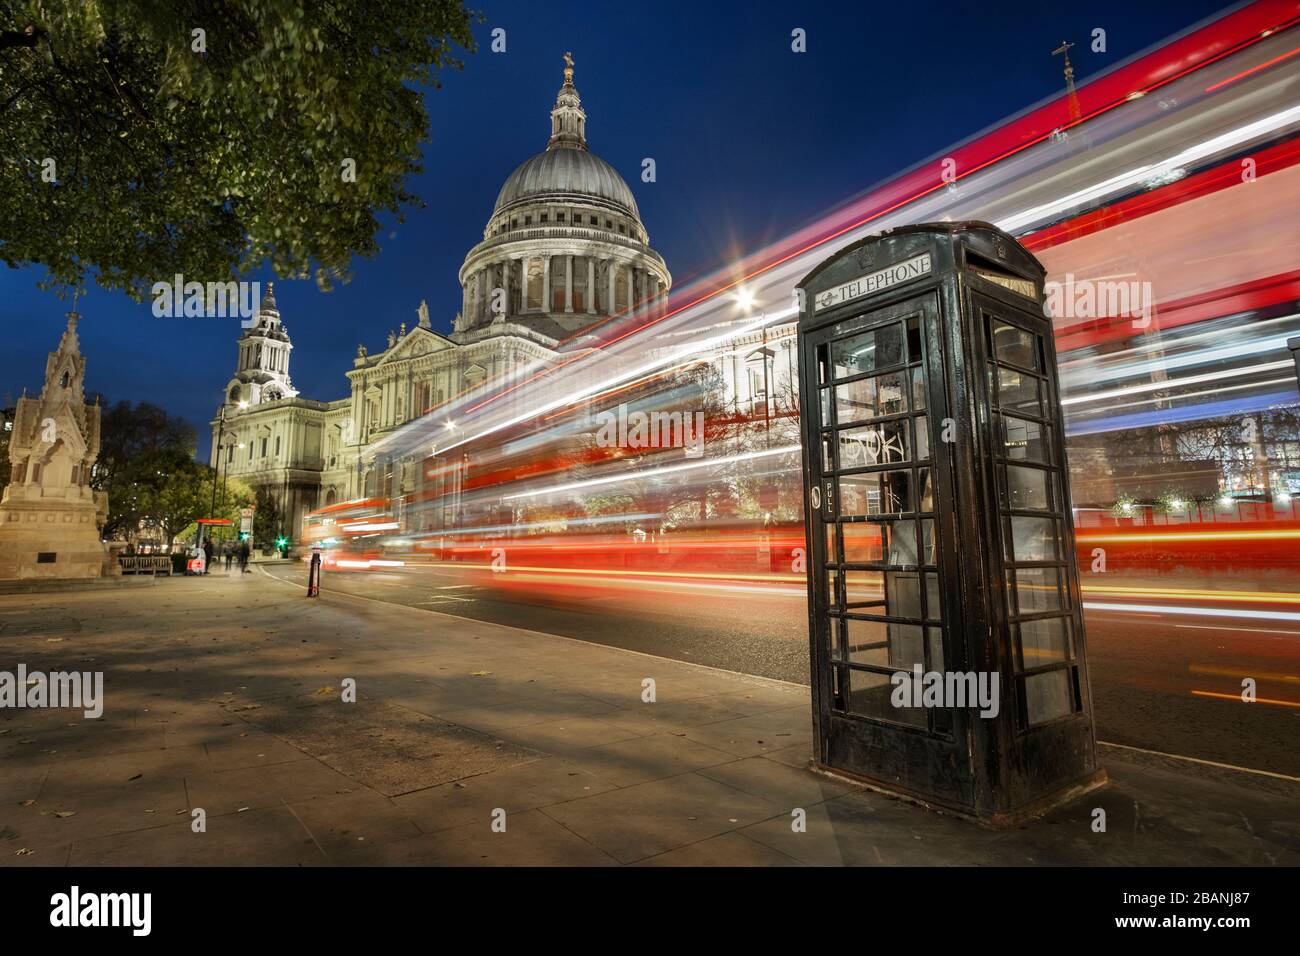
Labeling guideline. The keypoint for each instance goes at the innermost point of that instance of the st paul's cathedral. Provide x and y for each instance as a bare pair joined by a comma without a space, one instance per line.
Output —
564,249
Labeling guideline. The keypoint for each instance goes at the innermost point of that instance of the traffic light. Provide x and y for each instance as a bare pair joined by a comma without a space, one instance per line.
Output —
243,536
282,542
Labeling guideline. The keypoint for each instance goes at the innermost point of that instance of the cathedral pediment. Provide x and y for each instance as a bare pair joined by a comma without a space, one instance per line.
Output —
414,344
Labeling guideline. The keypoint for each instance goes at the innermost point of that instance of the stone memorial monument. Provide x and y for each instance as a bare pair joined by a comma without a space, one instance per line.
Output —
50,518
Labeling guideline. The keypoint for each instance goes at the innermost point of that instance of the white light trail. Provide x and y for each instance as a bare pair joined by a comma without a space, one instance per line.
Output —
652,472
1172,382
656,364
1135,177
528,526
1199,357
1194,611
1182,396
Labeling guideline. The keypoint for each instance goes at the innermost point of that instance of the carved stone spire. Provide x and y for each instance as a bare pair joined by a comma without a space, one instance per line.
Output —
65,369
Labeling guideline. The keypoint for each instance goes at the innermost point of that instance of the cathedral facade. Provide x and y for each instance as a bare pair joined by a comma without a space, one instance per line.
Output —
563,249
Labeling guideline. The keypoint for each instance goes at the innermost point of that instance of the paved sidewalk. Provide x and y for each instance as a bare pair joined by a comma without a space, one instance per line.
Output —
224,694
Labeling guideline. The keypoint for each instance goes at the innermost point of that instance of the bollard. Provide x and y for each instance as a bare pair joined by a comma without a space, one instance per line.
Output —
313,574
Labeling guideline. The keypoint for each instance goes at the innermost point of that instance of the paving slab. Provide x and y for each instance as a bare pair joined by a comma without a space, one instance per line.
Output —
727,849
529,839
636,822
542,783
640,759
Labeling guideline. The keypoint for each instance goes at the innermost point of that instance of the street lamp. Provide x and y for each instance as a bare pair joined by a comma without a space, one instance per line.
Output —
221,434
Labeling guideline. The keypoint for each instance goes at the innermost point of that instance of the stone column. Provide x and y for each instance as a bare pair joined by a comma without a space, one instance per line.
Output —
591,286
568,283
631,287
546,283
505,285
611,274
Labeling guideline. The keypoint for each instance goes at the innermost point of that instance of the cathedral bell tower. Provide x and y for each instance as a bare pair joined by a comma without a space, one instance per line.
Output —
262,372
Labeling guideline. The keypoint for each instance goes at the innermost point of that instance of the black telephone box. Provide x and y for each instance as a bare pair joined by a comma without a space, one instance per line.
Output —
948,655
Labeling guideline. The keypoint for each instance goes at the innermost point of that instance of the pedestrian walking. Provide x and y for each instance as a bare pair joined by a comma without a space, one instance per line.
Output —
244,552
229,551
207,555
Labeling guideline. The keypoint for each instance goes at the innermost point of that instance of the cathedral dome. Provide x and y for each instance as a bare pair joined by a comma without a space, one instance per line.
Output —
566,174
564,246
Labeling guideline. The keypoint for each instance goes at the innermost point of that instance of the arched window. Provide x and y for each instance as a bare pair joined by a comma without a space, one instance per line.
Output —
234,393
65,381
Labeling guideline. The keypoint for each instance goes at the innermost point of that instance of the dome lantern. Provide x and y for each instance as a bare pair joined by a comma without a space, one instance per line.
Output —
568,119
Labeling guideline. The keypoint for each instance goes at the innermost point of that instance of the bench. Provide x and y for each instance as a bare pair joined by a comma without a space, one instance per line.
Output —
145,563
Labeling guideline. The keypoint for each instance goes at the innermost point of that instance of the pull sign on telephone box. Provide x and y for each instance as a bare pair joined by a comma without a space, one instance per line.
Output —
948,655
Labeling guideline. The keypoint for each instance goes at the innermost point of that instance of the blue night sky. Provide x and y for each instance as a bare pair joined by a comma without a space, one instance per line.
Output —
750,140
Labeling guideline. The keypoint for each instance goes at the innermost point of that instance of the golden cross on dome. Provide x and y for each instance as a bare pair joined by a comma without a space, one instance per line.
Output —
568,67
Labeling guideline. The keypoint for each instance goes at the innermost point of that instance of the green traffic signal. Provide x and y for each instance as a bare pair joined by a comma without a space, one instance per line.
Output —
243,536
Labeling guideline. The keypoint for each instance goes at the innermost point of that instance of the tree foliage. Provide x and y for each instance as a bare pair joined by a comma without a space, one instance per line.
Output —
141,139
268,522
128,431
177,496
146,465
232,495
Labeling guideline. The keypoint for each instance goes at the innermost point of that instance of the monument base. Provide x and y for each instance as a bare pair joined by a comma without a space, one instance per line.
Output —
50,539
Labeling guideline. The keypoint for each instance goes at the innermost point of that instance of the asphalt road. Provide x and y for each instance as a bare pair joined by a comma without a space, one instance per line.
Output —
1168,682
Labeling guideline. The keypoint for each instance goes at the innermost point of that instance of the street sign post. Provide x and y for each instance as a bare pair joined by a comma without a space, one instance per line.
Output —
945,623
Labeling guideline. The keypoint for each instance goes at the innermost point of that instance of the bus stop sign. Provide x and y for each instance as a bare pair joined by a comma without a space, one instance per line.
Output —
945,621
